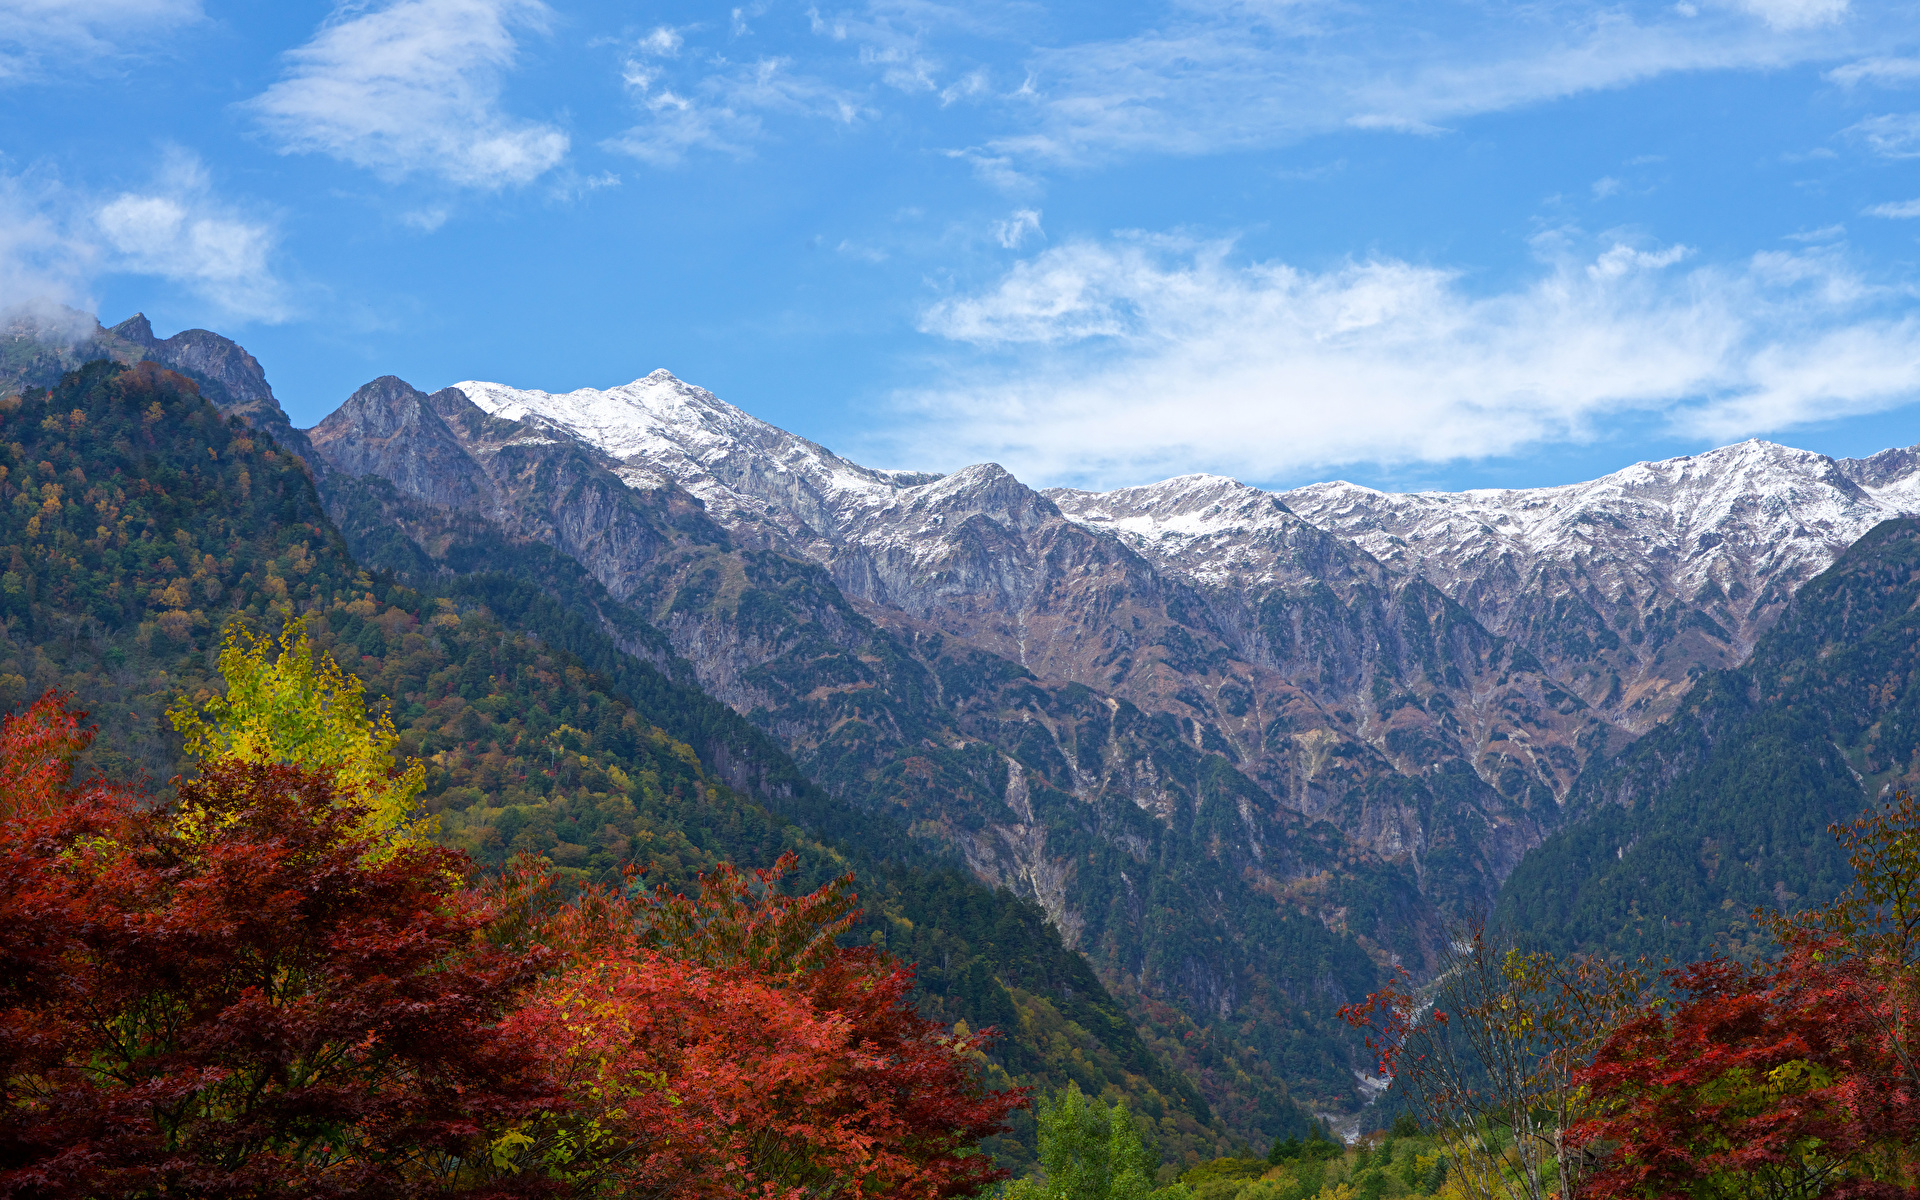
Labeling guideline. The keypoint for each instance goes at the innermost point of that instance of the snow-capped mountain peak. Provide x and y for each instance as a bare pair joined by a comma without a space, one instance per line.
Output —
738,465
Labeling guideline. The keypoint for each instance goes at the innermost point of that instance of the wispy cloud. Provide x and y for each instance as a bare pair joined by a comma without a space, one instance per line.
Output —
1123,360
699,103
44,261
1016,228
179,230
1896,209
1220,75
415,86
1795,14
1887,72
41,37
1890,135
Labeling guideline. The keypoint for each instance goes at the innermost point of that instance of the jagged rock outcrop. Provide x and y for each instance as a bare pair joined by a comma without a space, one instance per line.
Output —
387,428
228,376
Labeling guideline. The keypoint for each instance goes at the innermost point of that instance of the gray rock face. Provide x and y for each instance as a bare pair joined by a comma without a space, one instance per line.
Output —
1253,626
879,639
1339,690
38,346
389,429
237,379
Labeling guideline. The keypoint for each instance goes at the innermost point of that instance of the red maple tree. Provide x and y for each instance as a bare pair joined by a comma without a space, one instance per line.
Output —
727,1046
244,1004
230,995
1793,1078
1774,1080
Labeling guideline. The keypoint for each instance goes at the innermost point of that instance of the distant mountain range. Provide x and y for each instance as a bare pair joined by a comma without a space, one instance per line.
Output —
1243,748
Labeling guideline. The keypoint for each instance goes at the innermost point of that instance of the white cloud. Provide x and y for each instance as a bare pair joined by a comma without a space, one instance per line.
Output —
179,230
1890,135
414,85
1887,72
56,241
1014,230
1124,360
664,42
970,86
40,37
44,262
1621,260
1897,209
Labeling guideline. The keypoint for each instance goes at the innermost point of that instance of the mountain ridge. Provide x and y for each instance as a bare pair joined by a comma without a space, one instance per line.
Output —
1243,748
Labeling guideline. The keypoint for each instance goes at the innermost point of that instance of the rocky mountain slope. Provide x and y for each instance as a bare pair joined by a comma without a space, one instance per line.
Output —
1181,716
1303,662
1179,875
38,345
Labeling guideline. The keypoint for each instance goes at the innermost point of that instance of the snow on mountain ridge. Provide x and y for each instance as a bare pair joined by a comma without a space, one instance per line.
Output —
744,469
1787,511
1210,528
1779,511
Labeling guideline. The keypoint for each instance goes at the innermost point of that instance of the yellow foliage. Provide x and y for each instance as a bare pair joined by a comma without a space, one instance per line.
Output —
299,707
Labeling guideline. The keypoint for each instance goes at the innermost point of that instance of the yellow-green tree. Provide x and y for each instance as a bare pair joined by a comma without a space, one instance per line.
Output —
299,707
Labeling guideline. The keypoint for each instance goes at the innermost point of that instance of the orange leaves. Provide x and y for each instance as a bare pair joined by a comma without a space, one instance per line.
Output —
704,1076
725,1046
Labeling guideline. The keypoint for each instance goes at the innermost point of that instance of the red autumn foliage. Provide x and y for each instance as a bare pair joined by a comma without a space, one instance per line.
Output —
758,1058
1775,1080
231,996
252,1009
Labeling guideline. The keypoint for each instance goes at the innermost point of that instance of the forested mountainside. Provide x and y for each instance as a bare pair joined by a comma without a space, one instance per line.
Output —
140,520
38,347
1724,808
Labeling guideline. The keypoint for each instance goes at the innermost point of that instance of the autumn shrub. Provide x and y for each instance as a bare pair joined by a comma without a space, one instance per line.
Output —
1789,1078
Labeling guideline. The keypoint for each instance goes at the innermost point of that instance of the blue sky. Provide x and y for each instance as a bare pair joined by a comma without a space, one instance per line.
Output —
1411,244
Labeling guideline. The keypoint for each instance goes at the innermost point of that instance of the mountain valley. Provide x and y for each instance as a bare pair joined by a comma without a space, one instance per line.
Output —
1243,751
